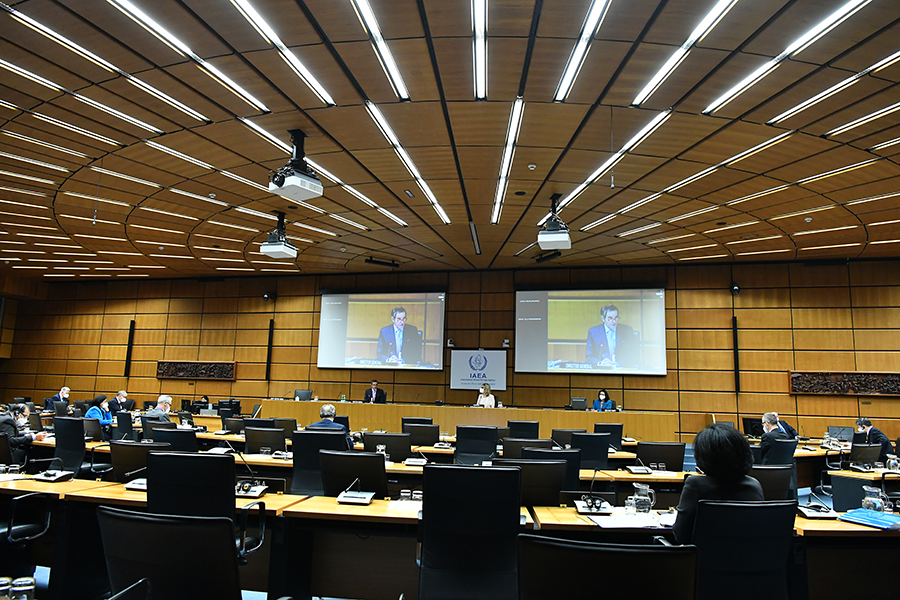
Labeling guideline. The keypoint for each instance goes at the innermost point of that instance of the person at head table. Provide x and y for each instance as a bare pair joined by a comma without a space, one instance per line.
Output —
485,397
398,342
100,410
724,456
603,401
611,344
160,412
326,413
13,422
875,436
374,395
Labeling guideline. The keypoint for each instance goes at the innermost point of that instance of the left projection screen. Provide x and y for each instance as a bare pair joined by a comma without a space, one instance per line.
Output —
382,331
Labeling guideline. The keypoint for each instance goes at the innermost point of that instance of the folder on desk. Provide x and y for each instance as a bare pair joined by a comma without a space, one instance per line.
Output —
872,518
138,485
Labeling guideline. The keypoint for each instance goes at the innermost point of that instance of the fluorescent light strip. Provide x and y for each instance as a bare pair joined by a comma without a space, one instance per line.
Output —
348,222
199,197
147,267
831,246
695,213
638,230
215,237
11,214
744,224
269,35
812,231
758,148
316,229
234,269
178,154
255,213
271,262
252,184
159,243
479,47
167,213
213,258
706,25
126,177
177,45
771,237
300,239
60,246
155,229
836,88
32,76
759,194
670,239
872,198
761,252
599,222
382,51
886,144
509,150
27,267
263,133
863,120
279,270
807,39
59,274
100,237
870,243
592,22
211,249
97,199
30,227
31,161
110,252
19,191
691,248
388,133
118,114
884,223
803,212
38,142
28,177
89,219
233,226
63,124
839,171
168,256
44,236
704,257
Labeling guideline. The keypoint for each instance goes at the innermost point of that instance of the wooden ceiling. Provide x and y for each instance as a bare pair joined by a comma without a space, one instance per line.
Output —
61,217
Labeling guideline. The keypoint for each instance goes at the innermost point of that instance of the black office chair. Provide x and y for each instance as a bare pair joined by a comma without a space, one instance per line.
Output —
79,405
257,438
35,422
128,404
512,447
25,518
782,453
201,485
615,433
232,424
594,449
181,440
305,445
776,481
343,420
6,457
422,434
71,451
670,453
663,571
92,430
864,453
404,421
206,544
129,459
148,405
341,469
741,544
502,432
457,526
572,457
61,408
259,423
396,445
288,426
542,480
225,412
151,425
475,444
124,427
139,590
524,429
563,437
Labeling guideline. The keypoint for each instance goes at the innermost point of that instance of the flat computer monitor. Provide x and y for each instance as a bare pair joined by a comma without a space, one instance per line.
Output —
303,395
343,420
865,454
752,426
845,434
579,403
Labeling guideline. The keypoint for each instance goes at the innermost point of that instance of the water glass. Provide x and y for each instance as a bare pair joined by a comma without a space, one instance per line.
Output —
265,450
22,588
417,495
662,466
629,506
406,494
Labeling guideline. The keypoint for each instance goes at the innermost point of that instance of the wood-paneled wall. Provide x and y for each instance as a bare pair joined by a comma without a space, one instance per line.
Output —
790,316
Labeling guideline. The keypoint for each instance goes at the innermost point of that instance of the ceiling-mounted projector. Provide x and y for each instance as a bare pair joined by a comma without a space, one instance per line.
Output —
295,181
277,245
555,234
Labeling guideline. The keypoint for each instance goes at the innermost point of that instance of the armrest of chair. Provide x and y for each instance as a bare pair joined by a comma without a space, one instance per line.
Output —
44,499
840,455
138,589
658,539
243,551
93,469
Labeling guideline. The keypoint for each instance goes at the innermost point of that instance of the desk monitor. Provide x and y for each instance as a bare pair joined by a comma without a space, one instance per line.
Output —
542,480
303,395
865,454
845,434
752,426
579,403
232,425
343,420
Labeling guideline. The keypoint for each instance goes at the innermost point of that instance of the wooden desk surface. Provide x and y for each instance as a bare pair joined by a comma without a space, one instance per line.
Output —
655,477
874,476
559,517
63,489
834,528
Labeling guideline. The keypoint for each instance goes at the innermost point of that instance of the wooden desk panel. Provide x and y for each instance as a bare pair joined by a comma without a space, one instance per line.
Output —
62,489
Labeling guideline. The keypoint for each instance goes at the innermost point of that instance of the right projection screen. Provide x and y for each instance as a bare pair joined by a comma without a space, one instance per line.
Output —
591,331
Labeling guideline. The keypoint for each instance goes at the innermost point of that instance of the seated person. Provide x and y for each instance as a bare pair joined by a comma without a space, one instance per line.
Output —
118,403
723,455
603,402
783,425
13,421
62,396
99,410
485,397
875,436
771,432
375,396
327,413
160,412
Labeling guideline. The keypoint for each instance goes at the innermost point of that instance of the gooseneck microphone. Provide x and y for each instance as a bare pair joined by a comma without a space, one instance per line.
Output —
241,456
355,482
135,472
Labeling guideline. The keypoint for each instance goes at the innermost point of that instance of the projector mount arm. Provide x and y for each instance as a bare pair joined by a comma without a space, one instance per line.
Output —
297,162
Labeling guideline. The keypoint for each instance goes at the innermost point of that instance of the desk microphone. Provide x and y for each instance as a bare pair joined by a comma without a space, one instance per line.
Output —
241,456
637,437
135,472
557,444
49,460
355,481
422,454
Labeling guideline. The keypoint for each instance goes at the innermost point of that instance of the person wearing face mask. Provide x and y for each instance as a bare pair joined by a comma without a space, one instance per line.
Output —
13,421
603,401
100,410
62,396
485,397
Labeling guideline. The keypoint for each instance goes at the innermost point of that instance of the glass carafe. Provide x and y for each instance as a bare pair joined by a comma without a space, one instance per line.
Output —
892,463
644,498
875,499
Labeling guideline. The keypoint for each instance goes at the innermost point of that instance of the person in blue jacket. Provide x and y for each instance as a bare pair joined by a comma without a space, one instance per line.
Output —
100,410
603,401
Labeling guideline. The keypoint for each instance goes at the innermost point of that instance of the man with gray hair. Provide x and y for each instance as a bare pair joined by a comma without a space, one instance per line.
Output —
161,411
62,396
118,403
327,413
771,432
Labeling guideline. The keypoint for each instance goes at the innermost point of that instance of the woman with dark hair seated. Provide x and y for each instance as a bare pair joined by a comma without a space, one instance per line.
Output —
723,455
100,410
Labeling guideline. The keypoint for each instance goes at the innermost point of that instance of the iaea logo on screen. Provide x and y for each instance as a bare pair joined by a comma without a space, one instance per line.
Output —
478,362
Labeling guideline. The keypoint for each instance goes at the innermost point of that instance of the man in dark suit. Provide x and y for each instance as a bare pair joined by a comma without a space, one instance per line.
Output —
326,413
783,425
160,412
62,396
118,403
875,436
398,342
374,395
611,344
771,432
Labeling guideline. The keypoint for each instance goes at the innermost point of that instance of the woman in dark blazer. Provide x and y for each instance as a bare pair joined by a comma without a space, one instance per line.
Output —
723,455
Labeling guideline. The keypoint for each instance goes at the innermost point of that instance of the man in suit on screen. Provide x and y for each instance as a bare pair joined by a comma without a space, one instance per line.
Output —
611,344
398,342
